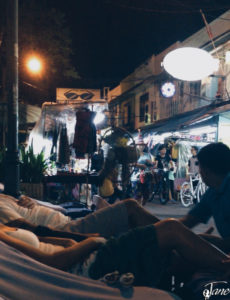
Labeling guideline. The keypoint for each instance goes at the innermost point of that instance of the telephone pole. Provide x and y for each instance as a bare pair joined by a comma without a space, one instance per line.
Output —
12,153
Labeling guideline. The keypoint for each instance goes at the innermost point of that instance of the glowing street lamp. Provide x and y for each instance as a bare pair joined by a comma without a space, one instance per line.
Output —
34,65
190,63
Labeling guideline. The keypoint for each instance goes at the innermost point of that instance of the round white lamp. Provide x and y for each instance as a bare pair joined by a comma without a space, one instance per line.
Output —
190,63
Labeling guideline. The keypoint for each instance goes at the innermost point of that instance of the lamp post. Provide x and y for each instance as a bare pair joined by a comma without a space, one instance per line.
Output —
12,153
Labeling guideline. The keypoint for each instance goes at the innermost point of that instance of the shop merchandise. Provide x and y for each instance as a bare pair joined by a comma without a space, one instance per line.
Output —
85,133
64,151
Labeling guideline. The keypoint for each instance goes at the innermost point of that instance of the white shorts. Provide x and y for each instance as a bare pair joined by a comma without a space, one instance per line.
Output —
109,221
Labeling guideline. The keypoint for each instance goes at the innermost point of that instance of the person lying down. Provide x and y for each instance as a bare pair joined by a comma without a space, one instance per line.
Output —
143,251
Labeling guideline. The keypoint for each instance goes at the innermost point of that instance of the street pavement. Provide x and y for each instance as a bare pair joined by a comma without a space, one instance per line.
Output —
175,210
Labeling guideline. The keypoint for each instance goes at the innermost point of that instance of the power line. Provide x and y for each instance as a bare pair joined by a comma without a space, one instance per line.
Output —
163,11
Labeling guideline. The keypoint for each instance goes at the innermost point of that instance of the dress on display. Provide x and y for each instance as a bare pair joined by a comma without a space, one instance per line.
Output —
85,133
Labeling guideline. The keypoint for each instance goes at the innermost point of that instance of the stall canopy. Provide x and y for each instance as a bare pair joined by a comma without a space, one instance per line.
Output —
202,116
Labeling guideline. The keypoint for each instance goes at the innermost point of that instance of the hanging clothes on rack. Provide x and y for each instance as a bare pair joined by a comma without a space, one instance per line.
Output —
64,151
55,134
85,133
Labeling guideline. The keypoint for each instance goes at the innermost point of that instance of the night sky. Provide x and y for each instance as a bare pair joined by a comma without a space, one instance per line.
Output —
112,37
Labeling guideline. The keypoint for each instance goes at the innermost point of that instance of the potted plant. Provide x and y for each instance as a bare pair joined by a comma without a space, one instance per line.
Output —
32,169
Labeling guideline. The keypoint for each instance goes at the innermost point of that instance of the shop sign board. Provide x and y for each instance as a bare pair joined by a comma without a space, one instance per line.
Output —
66,95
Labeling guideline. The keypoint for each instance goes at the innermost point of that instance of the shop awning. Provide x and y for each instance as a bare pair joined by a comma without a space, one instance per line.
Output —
202,116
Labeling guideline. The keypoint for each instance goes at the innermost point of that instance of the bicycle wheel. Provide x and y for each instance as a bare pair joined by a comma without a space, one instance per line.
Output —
186,197
200,191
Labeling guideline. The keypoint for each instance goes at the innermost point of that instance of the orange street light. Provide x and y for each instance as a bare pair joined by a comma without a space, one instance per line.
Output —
34,65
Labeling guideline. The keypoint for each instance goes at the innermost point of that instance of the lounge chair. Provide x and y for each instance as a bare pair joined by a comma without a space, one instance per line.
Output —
21,277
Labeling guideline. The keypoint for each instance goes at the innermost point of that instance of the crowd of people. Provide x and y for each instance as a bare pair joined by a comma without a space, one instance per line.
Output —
125,237
152,174
155,174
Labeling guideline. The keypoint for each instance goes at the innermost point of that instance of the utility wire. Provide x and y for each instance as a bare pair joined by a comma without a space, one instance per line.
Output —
163,11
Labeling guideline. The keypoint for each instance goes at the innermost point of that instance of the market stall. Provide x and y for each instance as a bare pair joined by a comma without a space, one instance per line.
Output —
196,128
67,134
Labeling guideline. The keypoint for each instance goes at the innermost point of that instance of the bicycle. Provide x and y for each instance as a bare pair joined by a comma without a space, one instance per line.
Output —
160,186
189,191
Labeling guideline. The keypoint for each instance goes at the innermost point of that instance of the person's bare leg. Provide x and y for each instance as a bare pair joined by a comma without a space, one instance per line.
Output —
137,215
99,202
173,235
221,243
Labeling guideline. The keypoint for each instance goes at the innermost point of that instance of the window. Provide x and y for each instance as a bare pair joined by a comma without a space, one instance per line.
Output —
181,88
147,116
143,106
197,87
153,111
127,114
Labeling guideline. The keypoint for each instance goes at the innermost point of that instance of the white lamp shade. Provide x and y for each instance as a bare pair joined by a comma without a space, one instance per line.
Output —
190,63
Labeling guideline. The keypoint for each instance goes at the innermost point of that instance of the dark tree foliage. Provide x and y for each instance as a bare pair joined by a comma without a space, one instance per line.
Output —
43,32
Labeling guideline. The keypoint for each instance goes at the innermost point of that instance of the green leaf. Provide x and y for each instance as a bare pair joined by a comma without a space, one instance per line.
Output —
32,166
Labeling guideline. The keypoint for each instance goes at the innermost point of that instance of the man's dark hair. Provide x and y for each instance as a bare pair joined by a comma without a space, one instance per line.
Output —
163,146
216,157
195,148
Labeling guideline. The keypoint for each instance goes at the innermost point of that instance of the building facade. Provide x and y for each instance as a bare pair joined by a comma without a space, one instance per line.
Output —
150,95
